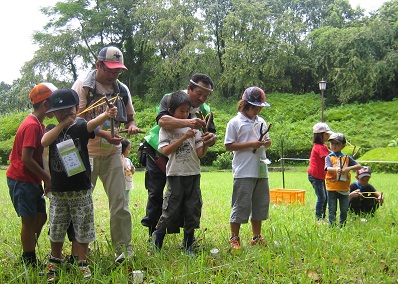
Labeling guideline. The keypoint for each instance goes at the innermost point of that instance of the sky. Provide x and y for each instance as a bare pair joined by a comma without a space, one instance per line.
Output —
21,18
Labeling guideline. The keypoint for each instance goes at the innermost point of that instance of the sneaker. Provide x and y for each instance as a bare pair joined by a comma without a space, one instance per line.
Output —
85,269
124,255
69,261
53,268
258,240
235,242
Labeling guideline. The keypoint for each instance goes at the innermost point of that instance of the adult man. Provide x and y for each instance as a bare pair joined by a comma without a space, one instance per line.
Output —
105,149
199,89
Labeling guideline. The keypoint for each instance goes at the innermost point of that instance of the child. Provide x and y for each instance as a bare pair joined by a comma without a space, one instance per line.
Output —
71,198
250,197
338,167
316,171
183,198
364,199
25,173
128,166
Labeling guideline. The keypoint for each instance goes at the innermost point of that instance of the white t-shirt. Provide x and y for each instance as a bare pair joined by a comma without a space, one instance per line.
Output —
128,175
245,163
184,161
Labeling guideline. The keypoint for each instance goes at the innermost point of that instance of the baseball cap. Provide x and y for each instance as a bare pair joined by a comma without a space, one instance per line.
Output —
338,137
363,172
321,127
41,92
112,57
62,99
255,96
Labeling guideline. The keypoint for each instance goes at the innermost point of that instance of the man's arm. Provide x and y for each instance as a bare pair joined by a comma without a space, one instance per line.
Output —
130,125
165,120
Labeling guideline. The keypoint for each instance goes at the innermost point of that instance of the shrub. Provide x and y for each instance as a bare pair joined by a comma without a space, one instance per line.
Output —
224,161
381,158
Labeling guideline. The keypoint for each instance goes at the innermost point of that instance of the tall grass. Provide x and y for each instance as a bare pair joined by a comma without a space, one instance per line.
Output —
300,250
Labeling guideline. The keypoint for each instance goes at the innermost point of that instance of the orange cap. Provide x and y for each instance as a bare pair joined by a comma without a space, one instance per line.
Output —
41,92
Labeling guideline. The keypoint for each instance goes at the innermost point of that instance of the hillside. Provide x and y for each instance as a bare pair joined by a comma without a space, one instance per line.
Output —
368,126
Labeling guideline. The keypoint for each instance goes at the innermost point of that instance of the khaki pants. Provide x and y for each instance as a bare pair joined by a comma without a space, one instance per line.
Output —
110,171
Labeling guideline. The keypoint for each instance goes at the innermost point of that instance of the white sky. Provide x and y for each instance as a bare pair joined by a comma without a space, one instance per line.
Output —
20,18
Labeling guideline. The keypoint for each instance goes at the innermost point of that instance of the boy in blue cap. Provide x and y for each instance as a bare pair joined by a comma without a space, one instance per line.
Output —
337,180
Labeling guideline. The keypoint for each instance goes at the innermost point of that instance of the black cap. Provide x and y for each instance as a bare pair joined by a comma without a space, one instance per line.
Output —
62,99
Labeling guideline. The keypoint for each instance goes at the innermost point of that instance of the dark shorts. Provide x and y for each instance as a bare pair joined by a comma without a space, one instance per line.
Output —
27,198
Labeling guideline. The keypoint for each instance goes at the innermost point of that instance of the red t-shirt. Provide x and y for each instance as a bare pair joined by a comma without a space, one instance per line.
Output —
29,134
317,161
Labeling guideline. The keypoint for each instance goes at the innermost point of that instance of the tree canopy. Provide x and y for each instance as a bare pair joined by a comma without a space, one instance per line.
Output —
280,45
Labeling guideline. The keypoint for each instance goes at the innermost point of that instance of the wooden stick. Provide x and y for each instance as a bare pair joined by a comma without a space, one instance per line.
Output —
112,120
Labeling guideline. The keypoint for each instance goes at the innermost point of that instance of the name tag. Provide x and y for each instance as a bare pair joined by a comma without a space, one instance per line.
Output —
70,158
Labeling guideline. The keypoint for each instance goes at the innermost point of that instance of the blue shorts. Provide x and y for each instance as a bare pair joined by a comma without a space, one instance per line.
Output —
27,198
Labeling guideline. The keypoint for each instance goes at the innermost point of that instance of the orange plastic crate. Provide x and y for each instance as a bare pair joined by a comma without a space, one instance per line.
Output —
280,195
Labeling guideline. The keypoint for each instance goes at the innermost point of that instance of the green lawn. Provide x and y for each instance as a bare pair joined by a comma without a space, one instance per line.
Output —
300,250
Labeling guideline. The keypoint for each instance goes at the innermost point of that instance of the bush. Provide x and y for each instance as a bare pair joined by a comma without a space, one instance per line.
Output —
5,150
224,161
381,158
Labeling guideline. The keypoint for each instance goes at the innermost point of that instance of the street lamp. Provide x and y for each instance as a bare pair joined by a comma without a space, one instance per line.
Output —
322,87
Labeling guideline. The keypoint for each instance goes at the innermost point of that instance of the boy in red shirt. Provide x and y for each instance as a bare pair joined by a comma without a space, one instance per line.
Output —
25,173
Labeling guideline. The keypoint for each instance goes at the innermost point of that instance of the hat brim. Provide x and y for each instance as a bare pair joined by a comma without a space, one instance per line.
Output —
115,65
264,104
338,141
364,175
60,108
320,131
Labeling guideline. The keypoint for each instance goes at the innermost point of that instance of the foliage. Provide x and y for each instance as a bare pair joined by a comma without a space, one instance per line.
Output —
393,143
224,161
367,126
282,46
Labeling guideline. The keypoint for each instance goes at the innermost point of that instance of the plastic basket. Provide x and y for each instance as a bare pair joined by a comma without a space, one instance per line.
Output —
280,195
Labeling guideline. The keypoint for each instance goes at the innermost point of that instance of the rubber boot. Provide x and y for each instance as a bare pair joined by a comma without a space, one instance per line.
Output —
159,237
188,241
150,231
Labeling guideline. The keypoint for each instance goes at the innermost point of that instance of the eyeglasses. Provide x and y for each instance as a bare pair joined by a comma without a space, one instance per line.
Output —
108,71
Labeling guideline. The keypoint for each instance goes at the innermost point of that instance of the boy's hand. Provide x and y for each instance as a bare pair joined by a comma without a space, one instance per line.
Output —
189,134
111,112
47,184
257,144
355,193
267,142
209,139
67,120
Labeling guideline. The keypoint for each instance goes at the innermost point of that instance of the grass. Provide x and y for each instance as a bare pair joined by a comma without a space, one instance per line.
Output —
300,250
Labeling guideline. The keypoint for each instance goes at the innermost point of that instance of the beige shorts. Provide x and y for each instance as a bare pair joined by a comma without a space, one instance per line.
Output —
75,206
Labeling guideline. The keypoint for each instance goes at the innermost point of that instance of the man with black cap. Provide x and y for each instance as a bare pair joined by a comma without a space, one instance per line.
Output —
105,149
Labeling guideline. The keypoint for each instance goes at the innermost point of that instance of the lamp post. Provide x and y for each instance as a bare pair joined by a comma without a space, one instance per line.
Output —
322,87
